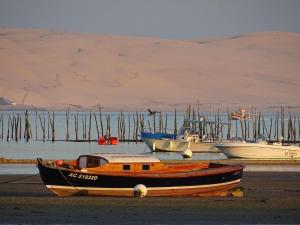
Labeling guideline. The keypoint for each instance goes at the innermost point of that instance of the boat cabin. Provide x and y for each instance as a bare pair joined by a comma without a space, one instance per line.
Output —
123,163
118,162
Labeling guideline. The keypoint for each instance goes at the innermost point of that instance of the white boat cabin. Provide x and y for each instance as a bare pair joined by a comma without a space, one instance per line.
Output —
97,160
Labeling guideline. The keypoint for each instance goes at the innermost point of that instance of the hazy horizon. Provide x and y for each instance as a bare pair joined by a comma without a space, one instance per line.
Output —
168,19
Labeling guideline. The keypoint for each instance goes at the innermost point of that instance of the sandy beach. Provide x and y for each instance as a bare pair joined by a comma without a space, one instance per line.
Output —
272,198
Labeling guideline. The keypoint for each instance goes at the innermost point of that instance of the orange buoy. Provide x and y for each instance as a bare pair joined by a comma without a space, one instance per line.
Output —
108,140
59,162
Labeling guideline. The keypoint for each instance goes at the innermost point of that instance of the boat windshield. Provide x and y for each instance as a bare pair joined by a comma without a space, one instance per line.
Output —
187,131
87,161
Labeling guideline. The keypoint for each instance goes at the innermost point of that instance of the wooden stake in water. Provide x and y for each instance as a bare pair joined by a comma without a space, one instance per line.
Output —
166,123
194,118
160,123
76,126
236,128
90,127
1,125
16,127
8,126
276,127
133,131
12,124
255,127
282,122
52,124
270,130
97,128
298,127
142,121
119,129
137,127
128,126
27,133
294,130
48,126
67,124
83,127
120,126
20,130
263,124
101,123
258,126
242,128
43,127
149,125
123,126
175,122
107,124
154,128
229,125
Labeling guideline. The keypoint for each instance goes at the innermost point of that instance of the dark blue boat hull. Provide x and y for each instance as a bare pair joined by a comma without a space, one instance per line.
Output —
157,135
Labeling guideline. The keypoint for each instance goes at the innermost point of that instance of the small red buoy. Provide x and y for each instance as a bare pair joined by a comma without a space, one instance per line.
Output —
114,141
101,141
108,140
59,162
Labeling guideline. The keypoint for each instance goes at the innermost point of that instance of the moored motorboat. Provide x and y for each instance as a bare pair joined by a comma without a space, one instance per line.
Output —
188,137
179,145
259,150
119,174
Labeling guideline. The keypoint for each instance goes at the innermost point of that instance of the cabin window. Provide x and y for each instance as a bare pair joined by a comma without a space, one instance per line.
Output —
146,167
88,162
92,162
126,167
82,162
102,162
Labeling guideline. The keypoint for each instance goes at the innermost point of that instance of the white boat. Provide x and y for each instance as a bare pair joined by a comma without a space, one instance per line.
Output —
175,145
187,138
259,150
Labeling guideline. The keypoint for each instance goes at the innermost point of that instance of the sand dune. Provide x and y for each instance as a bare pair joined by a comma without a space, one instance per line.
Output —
54,69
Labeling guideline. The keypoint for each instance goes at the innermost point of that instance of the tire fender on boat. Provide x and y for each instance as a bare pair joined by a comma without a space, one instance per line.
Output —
140,191
187,153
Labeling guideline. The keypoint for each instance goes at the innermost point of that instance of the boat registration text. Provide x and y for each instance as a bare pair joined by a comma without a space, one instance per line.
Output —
83,176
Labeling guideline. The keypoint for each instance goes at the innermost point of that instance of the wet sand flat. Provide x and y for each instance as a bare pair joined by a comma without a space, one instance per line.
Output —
270,197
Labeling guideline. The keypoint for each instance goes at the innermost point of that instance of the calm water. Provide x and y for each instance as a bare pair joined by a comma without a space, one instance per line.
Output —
70,150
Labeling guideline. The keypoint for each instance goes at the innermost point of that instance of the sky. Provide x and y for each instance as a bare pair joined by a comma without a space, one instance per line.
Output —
170,19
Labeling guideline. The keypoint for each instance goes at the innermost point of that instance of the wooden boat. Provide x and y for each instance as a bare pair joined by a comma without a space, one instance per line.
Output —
106,140
259,150
119,174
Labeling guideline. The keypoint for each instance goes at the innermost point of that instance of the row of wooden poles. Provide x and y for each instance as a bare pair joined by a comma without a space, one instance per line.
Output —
212,126
46,123
209,126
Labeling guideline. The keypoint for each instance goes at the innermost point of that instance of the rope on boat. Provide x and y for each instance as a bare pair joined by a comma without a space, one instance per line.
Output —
68,181
18,179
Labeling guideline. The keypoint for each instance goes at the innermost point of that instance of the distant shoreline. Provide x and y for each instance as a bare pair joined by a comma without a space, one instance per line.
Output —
229,161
